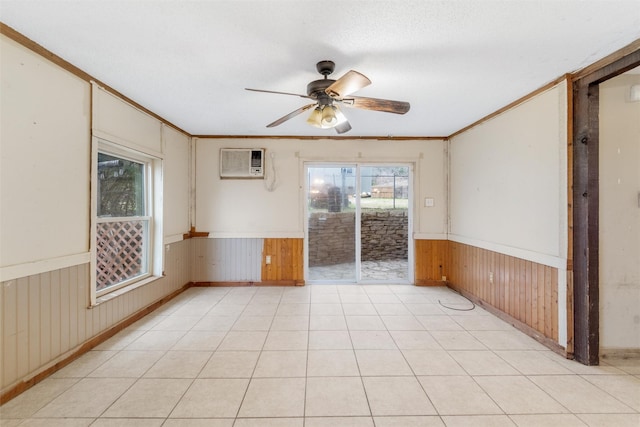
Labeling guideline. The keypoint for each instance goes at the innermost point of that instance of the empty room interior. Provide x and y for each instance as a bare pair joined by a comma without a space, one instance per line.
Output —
307,214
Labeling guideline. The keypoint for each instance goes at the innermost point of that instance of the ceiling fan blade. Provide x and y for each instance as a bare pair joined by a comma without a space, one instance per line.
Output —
343,127
376,104
347,84
279,93
290,115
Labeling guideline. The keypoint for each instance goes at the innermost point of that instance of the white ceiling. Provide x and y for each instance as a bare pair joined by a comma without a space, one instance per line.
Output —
455,61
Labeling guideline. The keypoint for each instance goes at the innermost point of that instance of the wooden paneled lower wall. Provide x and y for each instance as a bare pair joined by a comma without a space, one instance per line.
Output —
46,323
287,262
521,289
431,257
231,262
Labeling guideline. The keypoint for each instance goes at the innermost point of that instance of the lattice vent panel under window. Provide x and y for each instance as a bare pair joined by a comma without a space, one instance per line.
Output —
120,254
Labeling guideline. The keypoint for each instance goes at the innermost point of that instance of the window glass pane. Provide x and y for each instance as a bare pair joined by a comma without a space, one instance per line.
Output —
122,245
332,223
122,251
384,223
120,187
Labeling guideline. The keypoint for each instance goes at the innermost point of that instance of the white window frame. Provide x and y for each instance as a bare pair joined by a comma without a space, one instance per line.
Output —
153,217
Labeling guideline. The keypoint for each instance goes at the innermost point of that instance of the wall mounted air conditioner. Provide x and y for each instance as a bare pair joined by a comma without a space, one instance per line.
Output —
242,163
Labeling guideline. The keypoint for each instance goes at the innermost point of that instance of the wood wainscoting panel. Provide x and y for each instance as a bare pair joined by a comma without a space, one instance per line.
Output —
287,262
431,258
524,290
46,323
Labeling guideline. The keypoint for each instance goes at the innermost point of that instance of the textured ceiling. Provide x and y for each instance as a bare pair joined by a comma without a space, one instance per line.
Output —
454,61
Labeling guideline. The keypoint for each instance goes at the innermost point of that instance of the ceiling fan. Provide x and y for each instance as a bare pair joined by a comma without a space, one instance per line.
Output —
328,92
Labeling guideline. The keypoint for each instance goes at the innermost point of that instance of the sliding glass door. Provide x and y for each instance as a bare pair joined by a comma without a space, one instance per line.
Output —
384,223
331,223
358,223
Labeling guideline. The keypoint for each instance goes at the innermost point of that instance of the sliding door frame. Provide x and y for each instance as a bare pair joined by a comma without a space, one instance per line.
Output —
358,238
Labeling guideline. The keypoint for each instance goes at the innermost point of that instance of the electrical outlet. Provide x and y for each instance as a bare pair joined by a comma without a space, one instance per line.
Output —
491,277
444,278
267,259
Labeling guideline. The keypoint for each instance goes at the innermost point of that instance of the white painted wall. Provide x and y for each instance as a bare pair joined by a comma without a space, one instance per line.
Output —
45,140
125,127
245,208
508,184
619,215
176,183
44,159
120,122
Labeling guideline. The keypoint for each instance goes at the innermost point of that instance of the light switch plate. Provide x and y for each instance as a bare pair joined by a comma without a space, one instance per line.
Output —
429,202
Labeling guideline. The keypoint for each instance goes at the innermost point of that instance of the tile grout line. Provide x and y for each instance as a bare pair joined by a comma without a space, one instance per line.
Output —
255,296
306,368
415,377
193,380
355,356
251,377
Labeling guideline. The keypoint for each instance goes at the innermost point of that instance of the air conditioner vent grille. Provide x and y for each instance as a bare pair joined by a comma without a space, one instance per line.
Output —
242,163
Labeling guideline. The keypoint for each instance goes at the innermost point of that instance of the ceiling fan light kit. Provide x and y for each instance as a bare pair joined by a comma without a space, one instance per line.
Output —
315,118
326,117
326,92
329,118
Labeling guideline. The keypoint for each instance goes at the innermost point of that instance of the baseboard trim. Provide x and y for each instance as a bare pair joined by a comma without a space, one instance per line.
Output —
222,284
522,327
430,282
620,353
240,284
72,355
281,283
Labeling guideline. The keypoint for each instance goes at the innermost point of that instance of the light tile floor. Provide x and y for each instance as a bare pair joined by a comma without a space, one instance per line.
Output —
327,355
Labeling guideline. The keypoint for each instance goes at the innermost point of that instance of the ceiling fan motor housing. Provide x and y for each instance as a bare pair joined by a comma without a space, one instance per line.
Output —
316,88
325,67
